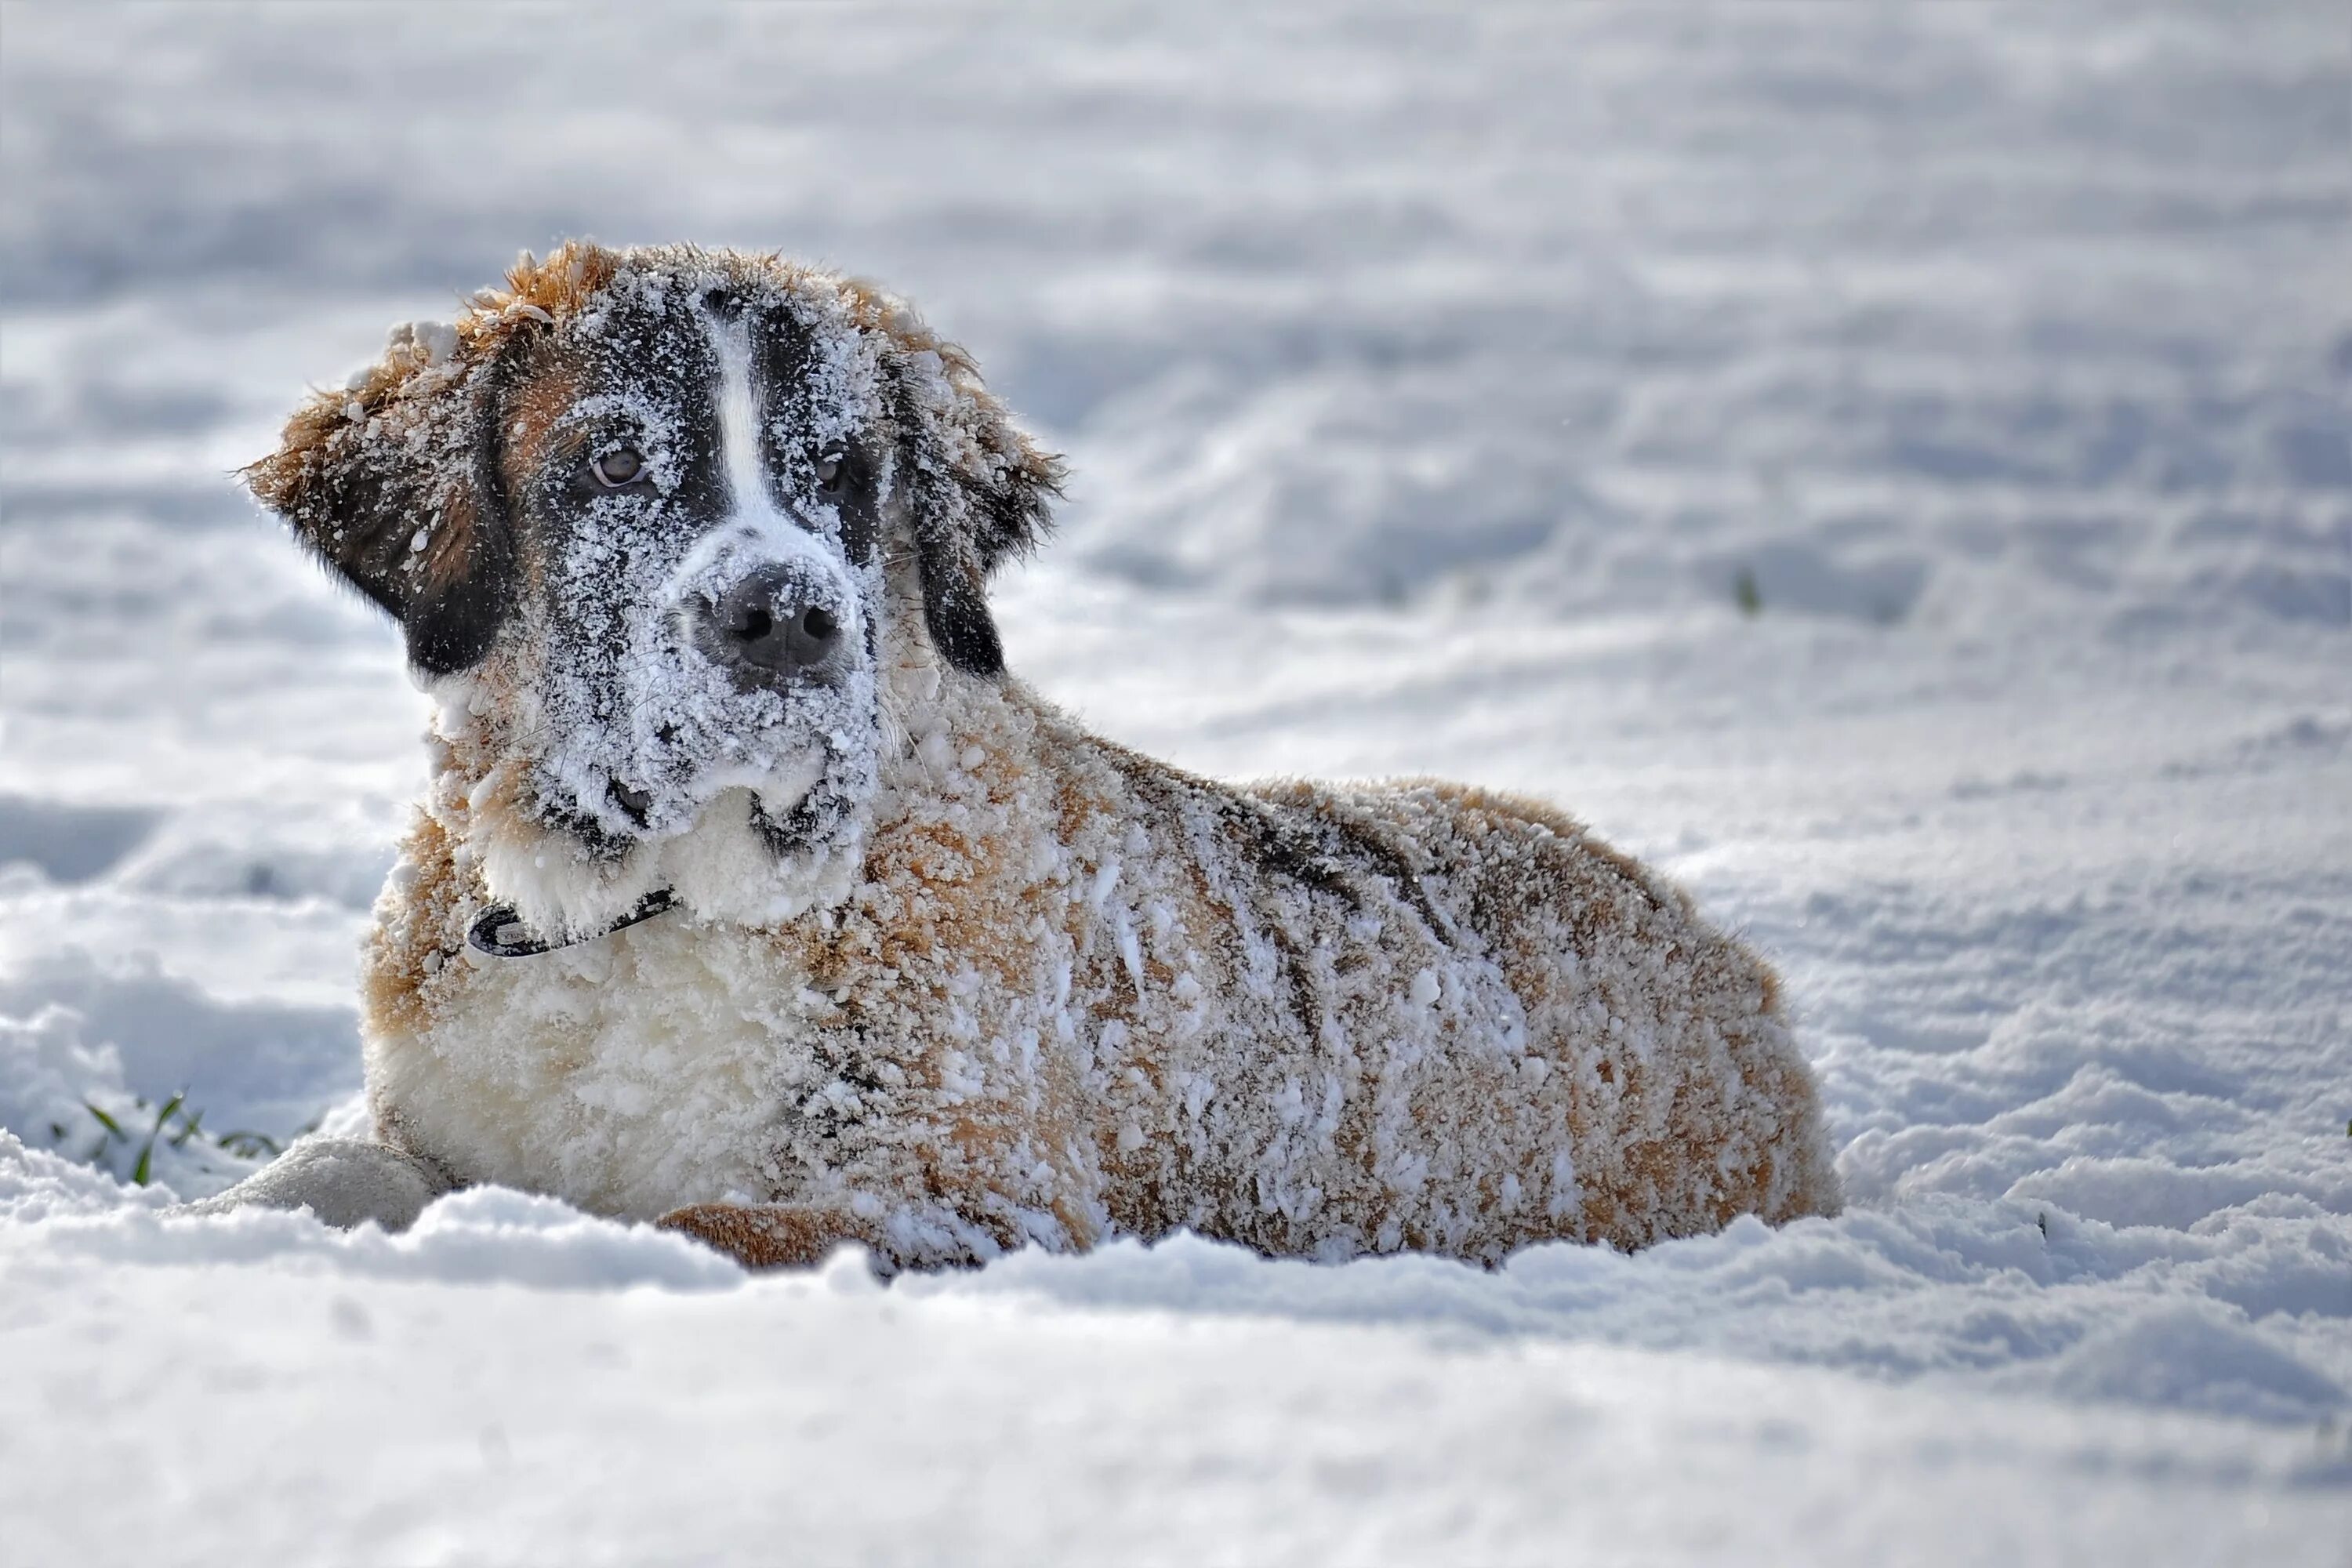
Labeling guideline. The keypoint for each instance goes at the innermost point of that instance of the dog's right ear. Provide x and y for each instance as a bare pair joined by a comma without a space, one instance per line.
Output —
395,483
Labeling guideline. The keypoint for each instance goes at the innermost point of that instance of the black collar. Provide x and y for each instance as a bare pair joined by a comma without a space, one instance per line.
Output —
500,933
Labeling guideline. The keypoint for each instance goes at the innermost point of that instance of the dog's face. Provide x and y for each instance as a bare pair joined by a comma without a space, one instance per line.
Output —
671,532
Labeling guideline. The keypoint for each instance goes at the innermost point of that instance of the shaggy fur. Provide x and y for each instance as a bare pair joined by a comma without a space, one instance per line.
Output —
1021,985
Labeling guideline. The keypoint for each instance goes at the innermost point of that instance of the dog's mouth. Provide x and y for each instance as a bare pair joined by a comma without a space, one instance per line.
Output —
597,844
788,805
788,829
637,805
793,831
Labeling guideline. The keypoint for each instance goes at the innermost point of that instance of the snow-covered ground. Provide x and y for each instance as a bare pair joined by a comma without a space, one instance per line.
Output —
1437,389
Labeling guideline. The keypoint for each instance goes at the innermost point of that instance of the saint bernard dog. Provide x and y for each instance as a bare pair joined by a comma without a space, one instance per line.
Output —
752,897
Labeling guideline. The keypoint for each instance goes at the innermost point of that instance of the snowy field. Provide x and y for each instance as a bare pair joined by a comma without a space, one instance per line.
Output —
1889,466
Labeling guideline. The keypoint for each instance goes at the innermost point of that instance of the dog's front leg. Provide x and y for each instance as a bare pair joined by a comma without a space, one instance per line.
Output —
772,1236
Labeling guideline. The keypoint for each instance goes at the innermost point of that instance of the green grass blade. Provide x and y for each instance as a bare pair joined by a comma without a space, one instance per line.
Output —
246,1145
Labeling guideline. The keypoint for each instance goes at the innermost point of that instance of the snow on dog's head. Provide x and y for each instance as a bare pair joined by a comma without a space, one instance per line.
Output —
671,534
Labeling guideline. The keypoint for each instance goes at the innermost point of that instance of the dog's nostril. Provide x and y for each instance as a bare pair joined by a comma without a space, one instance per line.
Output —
818,622
751,623
633,803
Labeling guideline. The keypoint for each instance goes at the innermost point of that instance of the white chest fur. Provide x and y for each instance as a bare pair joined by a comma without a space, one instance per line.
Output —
626,1074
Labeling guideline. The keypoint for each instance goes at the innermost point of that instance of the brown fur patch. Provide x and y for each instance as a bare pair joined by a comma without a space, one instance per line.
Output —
770,1236
532,405
409,944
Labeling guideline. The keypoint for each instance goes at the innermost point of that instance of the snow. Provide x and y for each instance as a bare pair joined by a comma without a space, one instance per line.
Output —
1428,385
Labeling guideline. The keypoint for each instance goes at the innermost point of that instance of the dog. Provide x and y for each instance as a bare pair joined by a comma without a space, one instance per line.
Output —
751,895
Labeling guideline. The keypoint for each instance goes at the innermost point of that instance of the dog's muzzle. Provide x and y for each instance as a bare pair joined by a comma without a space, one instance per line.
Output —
749,668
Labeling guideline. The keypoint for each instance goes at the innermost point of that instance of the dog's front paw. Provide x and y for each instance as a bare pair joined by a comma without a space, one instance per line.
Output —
345,1182
769,1235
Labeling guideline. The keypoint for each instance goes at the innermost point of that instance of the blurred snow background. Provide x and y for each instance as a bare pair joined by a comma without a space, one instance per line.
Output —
1888,464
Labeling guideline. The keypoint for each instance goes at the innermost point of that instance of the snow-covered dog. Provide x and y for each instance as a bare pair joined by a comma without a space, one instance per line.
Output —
753,896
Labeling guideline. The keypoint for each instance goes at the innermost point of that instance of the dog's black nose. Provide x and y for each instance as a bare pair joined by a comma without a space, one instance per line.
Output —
772,626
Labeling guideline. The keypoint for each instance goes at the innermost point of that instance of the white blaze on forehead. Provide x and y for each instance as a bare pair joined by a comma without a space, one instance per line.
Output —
738,415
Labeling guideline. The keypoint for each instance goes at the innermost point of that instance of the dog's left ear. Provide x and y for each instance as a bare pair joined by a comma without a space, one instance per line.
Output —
979,490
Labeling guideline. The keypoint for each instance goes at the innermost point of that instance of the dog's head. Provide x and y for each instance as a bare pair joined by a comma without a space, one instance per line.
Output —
673,534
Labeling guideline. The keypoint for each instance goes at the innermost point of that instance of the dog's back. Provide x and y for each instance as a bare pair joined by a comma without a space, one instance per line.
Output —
1426,1016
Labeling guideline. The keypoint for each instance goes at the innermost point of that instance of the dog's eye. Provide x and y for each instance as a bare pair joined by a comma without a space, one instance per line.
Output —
831,471
618,468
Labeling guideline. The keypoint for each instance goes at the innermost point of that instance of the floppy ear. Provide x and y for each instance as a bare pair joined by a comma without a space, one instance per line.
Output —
979,490
395,483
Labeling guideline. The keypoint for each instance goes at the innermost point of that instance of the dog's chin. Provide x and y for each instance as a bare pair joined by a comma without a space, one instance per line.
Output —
754,855
747,862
